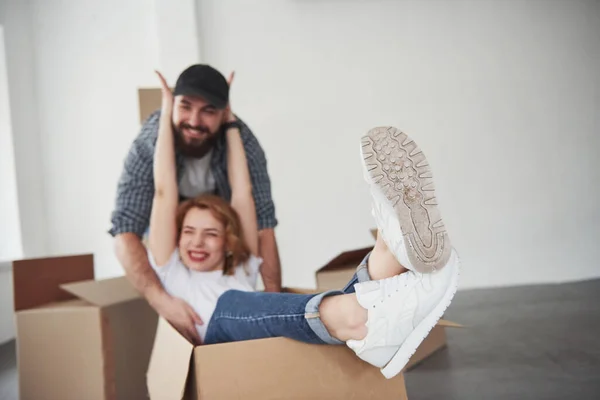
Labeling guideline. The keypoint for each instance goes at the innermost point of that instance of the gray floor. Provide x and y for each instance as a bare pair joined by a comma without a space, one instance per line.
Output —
8,372
536,342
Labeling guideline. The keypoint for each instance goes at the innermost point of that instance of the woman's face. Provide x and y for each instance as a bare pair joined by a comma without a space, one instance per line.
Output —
202,242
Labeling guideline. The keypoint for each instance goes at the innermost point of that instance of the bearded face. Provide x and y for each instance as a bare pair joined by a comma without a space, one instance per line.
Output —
195,124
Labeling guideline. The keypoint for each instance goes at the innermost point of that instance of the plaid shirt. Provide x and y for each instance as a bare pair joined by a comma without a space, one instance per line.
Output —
135,190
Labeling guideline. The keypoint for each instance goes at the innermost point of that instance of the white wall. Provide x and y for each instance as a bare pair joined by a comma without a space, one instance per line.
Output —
91,57
502,95
10,227
16,18
74,68
19,157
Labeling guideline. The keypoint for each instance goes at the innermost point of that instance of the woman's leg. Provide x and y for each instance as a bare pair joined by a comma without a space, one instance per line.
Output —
389,316
243,315
378,264
403,309
343,316
332,317
382,263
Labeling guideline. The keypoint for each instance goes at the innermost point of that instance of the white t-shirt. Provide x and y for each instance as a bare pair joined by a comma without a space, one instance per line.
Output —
196,177
201,290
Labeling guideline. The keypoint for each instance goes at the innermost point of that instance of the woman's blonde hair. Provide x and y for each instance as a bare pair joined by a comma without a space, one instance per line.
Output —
236,249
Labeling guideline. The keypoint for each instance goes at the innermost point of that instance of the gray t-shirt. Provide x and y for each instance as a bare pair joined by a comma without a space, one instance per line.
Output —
196,177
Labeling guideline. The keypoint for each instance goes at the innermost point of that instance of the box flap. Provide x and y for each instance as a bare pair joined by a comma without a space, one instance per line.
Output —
433,342
449,324
169,363
37,281
131,331
346,259
103,292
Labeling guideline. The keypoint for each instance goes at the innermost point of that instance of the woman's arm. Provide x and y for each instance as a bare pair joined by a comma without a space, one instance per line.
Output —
242,199
163,233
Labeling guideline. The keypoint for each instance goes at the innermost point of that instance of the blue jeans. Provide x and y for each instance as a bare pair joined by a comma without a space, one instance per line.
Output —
243,315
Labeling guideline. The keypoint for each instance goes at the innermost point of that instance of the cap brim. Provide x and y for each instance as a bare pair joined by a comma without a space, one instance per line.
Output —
218,103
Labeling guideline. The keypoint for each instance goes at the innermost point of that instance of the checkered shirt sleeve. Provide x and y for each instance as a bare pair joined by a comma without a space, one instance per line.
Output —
135,190
261,183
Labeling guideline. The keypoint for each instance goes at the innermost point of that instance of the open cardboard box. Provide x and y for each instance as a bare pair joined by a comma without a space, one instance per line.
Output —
275,368
338,272
77,337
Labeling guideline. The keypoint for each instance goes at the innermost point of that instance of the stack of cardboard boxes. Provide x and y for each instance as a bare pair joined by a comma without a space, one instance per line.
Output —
83,338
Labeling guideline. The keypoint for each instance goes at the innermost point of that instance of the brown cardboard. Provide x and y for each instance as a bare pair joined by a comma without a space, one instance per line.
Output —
374,233
36,281
149,101
436,340
337,273
59,352
276,368
87,339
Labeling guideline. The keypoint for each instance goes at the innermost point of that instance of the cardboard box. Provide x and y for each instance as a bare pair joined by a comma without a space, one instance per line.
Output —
79,338
436,340
149,100
275,368
338,272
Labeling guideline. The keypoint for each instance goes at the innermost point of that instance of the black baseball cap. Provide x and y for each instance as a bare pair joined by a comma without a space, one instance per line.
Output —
203,81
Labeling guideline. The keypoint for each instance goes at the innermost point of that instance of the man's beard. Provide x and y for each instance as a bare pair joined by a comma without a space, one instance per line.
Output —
195,147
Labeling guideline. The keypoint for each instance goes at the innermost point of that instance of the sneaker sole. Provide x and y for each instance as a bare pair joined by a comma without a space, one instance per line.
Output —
416,337
398,168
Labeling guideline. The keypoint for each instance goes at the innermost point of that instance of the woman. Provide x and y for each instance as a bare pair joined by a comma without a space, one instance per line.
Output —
208,257
204,246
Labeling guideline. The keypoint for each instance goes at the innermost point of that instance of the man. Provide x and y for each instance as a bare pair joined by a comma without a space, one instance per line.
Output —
201,97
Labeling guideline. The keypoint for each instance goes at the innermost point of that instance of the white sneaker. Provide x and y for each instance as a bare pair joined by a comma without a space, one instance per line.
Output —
400,313
404,204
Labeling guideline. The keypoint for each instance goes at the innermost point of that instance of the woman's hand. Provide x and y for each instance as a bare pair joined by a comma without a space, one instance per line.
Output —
167,95
228,116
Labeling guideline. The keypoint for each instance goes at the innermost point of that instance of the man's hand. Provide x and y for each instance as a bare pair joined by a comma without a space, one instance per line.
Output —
133,257
181,315
271,267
